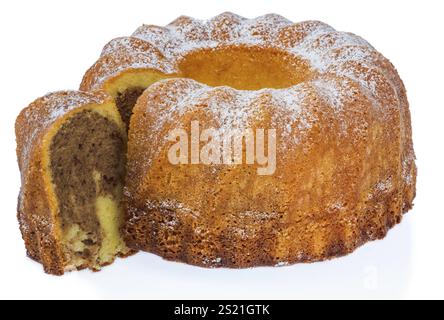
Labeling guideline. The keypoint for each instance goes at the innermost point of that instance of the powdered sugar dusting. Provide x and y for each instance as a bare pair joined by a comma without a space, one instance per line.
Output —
186,34
171,205
46,110
384,185
232,111
161,48
335,91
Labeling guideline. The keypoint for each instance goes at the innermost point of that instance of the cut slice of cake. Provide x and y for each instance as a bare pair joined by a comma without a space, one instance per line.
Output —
71,153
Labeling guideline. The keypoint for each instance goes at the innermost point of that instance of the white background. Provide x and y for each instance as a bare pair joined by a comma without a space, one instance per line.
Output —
48,45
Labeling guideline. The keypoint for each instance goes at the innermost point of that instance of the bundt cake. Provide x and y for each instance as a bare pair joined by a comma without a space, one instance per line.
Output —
345,169
326,114
71,154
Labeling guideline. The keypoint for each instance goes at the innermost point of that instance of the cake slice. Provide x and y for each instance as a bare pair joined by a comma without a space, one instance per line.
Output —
71,153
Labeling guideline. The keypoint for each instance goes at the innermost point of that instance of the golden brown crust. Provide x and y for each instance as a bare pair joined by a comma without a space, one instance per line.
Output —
345,173
342,184
350,87
37,205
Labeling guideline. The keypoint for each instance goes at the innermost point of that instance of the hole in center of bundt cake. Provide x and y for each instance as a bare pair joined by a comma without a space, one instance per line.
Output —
87,167
244,68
